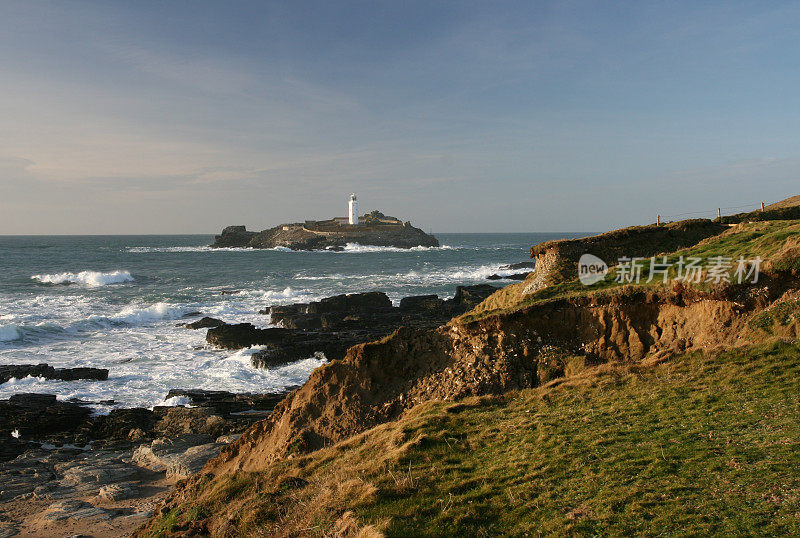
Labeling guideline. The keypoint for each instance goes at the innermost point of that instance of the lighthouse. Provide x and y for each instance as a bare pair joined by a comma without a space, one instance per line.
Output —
353,209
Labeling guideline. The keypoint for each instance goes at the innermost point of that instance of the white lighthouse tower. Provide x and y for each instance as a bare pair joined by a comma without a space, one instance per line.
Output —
353,209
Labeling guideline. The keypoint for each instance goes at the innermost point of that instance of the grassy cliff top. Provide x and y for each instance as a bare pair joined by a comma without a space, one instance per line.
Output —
792,201
703,444
777,243
663,238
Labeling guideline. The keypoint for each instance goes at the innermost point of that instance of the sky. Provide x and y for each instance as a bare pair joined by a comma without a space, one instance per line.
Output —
185,117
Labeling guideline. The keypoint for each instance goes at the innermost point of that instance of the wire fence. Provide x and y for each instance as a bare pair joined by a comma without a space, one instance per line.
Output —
755,206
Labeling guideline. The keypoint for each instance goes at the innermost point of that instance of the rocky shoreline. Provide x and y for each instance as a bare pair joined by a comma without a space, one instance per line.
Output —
64,466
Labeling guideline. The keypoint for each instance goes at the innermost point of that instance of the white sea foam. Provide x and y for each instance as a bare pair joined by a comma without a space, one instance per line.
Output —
145,250
9,333
89,279
350,247
137,315
177,400
455,275
358,248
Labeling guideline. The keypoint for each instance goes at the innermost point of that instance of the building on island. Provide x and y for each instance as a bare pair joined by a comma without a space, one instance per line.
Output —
353,209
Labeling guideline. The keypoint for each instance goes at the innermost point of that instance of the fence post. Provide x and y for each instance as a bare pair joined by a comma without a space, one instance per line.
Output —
762,206
658,220
719,213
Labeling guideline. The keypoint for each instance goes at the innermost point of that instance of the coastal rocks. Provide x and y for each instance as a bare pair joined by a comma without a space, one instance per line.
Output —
179,456
76,509
225,403
63,473
281,345
11,447
39,415
177,421
240,335
334,324
467,297
110,475
192,460
278,355
19,371
233,237
173,443
515,276
430,303
59,491
122,423
94,471
520,265
354,302
204,323
28,420
118,492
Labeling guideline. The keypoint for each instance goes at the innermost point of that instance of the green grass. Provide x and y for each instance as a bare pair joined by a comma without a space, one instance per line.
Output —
766,240
704,445
699,445
781,314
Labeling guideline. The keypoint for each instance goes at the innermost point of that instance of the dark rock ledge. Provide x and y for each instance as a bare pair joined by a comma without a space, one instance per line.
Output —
20,371
334,324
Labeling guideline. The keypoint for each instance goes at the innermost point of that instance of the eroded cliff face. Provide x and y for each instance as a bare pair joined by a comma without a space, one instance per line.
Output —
376,382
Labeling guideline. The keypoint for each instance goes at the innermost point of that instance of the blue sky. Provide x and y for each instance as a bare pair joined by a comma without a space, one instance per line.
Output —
181,117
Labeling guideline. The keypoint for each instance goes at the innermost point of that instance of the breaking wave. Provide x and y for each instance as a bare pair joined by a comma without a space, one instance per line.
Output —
9,333
455,275
143,250
91,279
355,247
350,247
133,315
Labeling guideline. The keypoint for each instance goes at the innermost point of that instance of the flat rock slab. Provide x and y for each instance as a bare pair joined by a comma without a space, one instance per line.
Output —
179,457
118,492
95,472
192,461
76,509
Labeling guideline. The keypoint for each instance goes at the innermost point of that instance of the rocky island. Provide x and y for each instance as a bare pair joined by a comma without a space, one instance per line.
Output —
374,229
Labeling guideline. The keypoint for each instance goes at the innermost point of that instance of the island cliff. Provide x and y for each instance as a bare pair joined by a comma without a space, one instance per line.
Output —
375,229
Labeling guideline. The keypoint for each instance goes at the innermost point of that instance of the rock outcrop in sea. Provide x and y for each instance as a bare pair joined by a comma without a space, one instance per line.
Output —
334,324
374,229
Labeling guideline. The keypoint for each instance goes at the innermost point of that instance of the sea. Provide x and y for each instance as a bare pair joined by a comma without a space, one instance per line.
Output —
116,302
